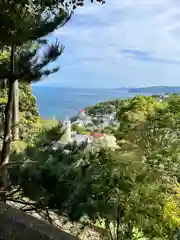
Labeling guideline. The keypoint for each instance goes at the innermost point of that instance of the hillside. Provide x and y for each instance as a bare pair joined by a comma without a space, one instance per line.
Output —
156,89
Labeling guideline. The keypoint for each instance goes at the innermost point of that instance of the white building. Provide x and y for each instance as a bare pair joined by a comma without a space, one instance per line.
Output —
78,122
83,116
71,136
80,138
66,124
87,122
66,137
93,139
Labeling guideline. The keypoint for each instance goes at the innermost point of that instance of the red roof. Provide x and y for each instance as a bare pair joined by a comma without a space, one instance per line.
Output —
97,134
82,110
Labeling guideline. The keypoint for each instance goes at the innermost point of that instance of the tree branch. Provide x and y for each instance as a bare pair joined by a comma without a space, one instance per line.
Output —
21,202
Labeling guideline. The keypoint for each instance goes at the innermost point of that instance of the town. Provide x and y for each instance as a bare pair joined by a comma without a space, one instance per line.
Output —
94,126
90,130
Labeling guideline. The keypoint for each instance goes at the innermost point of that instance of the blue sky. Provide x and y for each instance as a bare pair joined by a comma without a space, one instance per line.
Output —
123,43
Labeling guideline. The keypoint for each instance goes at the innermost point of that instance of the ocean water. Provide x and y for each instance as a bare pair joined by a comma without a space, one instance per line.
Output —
64,103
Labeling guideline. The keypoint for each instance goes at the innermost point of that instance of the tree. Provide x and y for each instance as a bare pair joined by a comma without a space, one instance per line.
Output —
15,116
133,190
116,190
78,128
27,22
133,113
147,124
103,108
38,65
33,66
30,122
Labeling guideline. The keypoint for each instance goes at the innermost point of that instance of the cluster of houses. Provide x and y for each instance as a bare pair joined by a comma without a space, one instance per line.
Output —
91,125
100,121
161,97
91,138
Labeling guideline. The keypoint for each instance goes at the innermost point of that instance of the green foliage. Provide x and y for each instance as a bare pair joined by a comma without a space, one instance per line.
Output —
4,54
109,187
29,115
109,130
30,20
174,104
129,190
133,113
132,192
85,133
47,124
152,130
19,146
103,108
74,118
77,128
19,21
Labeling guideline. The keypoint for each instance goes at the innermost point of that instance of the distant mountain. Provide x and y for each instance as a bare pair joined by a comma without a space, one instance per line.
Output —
122,88
156,89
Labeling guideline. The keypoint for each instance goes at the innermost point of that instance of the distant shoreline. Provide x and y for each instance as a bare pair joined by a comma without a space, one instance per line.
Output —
156,89
150,89
64,103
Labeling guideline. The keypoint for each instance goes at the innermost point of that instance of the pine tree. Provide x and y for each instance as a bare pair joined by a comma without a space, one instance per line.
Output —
23,22
31,67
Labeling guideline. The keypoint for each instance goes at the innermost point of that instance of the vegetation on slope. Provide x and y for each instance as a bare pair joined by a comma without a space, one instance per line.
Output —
29,115
131,191
103,108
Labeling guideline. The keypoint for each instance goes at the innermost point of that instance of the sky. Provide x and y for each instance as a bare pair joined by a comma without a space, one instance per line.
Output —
122,43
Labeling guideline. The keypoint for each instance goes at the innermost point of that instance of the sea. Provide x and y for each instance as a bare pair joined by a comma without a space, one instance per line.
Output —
63,103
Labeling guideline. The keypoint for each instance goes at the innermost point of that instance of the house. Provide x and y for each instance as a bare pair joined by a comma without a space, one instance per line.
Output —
80,138
84,122
78,122
83,116
87,122
66,137
104,140
97,135
94,138
104,123
69,137
66,124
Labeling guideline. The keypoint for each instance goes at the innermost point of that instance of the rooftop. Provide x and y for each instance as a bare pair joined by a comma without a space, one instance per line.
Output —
96,134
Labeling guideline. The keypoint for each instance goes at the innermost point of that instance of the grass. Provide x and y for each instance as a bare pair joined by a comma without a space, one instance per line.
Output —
48,123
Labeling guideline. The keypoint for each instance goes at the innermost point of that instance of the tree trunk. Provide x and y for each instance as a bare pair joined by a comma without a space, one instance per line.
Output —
7,133
15,118
4,85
